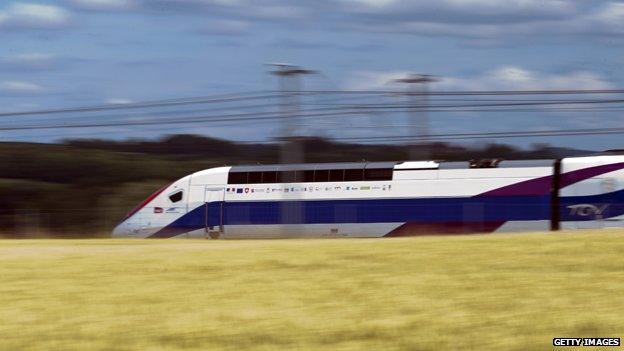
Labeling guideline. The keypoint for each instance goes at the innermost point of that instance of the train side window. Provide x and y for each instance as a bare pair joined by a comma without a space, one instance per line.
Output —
299,176
308,176
287,176
237,178
254,177
321,175
269,177
176,197
378,174
336,175
353,175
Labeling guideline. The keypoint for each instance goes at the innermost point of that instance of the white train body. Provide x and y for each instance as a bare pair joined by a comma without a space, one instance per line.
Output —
384,199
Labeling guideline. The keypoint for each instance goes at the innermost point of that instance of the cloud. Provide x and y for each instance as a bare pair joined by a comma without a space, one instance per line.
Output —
477,22
28,62
20,87
33,16
482,11
365,80
278,12
608,19
37,62
516,78
489,20
225,27
297,44
103,4
231,9
502,78
118,101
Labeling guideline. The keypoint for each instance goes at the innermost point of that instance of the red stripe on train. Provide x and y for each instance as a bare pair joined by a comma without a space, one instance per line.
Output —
146,201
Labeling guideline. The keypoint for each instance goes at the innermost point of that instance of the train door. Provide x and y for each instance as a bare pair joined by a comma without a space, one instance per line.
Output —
214,201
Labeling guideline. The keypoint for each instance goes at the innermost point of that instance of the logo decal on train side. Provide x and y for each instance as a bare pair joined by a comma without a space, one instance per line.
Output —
585,210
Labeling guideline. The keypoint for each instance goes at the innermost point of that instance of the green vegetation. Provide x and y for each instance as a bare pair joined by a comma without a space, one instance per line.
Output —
53,189
482,292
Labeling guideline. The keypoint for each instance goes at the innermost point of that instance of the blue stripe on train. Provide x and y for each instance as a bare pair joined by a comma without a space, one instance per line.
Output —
433,210
384,210
469,209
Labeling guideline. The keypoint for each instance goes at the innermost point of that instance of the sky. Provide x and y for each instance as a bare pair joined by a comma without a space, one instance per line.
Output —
68,53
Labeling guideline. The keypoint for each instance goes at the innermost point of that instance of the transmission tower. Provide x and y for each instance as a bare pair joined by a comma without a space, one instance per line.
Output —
417,93
289,79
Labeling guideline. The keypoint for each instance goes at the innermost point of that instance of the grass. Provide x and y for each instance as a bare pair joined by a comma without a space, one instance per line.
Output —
496,292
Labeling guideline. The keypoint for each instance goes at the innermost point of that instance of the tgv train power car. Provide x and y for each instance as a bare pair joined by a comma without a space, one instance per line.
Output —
375,199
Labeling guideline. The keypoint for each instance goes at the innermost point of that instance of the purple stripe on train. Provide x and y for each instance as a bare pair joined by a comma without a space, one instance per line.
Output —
538,187
542,185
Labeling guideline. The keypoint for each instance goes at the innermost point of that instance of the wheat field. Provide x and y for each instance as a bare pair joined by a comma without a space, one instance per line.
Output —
480,292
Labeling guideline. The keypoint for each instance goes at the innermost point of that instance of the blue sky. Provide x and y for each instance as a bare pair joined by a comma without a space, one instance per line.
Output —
67,53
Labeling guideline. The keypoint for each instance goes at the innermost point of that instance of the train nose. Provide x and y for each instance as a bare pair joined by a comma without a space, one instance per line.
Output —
123,230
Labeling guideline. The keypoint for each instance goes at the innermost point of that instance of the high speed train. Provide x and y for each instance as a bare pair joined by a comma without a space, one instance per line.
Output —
376,199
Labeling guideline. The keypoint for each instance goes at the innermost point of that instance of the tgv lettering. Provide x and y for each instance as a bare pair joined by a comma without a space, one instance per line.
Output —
585,210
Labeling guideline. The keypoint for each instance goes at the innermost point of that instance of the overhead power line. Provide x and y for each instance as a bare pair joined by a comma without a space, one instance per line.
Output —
512,134
257,95
466,136
148,104
432,137
173,117
239,109
470,92
240,117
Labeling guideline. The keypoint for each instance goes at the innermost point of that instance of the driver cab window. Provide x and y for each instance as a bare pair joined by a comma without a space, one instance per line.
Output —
176,197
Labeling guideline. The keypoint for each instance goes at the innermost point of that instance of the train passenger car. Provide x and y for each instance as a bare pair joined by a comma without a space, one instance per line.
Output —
375,199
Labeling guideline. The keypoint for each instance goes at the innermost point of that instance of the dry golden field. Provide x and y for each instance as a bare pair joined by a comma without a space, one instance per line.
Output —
481,292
